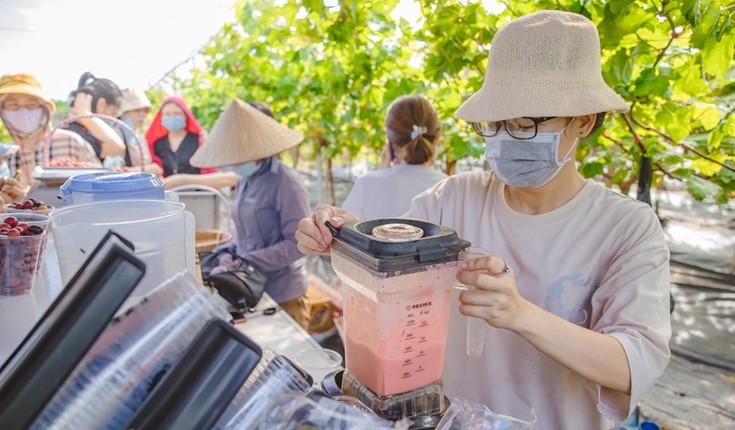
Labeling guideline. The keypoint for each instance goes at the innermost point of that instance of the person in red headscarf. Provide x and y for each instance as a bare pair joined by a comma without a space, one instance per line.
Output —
174,136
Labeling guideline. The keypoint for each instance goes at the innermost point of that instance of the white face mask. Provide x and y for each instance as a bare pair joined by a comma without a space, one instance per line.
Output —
243,170
23,120
528,163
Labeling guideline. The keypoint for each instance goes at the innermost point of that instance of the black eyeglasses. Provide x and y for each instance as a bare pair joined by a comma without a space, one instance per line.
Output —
520,128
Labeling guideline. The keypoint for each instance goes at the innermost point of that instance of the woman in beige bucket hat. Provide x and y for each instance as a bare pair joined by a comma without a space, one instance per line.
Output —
575,295
270,198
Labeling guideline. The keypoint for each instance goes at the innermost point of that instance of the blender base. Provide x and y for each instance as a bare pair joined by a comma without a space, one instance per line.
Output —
424,407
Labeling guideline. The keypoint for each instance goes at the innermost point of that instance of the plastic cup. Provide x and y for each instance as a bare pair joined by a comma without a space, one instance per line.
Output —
475,326
318,362
20,256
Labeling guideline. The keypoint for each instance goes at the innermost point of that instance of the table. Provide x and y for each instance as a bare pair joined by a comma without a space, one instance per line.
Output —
18,315
282,334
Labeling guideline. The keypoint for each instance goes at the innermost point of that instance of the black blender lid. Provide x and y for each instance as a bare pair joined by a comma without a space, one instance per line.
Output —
438,244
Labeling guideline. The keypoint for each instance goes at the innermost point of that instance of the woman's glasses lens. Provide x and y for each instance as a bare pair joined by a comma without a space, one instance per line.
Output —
519,128
486,129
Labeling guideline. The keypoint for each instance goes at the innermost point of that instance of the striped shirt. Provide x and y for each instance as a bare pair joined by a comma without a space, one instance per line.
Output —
65,148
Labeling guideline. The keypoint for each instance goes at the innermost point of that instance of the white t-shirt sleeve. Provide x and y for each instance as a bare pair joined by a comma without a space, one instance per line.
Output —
632,305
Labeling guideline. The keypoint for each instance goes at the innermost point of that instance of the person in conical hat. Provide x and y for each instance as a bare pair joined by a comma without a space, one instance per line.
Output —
270,198
575,291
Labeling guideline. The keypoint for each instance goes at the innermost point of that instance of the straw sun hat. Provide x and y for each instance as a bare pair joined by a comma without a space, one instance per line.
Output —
24,83
241,134
543,64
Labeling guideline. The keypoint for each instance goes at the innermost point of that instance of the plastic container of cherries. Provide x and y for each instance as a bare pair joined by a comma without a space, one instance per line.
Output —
28,205
23,239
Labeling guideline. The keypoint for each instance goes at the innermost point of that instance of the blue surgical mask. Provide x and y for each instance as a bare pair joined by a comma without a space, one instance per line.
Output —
127,120
24,120
243,170
173,123
528,163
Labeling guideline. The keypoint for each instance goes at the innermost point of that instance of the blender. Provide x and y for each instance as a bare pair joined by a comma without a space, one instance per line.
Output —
398,274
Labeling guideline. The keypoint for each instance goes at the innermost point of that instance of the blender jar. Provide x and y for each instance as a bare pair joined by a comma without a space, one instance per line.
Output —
396,300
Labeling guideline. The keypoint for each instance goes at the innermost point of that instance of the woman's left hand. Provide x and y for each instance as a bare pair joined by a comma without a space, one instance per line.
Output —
11,190
493,295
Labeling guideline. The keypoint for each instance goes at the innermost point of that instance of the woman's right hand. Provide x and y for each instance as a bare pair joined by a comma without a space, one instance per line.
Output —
313,236
82,105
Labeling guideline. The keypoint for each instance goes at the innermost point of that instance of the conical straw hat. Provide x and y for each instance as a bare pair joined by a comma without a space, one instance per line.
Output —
241,134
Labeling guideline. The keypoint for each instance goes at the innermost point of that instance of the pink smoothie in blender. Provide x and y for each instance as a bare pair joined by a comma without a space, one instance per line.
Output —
396,300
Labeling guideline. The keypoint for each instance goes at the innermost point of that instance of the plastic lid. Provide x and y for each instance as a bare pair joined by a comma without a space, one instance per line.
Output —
397,232
104,182
356,240
198,389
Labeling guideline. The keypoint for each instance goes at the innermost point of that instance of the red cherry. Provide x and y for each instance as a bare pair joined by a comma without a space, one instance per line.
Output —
11,221
13,233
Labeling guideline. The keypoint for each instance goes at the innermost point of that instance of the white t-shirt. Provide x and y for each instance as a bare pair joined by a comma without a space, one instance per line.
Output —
388,192
600,261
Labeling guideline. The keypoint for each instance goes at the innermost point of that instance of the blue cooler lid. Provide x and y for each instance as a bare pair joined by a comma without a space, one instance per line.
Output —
106,182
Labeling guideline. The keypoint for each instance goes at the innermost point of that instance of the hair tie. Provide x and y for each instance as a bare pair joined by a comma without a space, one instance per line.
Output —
417,131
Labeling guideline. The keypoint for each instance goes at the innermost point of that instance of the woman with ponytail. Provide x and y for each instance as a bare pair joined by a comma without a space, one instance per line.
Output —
413,131
97,96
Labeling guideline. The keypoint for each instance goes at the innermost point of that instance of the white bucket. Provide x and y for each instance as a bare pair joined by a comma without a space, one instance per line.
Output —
161,230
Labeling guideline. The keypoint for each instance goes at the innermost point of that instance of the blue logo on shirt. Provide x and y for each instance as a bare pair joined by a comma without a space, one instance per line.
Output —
569,298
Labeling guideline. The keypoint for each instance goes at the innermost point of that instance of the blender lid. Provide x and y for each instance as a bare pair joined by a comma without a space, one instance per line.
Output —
438,244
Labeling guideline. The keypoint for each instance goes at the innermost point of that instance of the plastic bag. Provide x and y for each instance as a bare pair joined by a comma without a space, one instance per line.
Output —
463,415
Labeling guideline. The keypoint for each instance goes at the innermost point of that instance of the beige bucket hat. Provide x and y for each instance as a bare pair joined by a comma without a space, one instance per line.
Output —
25,83
241,134
543,64
133,99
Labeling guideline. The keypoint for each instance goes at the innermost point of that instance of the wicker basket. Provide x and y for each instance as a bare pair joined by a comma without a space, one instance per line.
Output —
207,240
